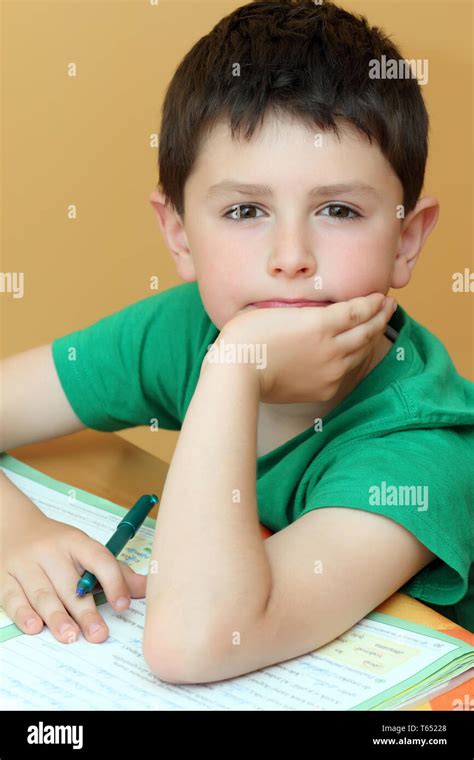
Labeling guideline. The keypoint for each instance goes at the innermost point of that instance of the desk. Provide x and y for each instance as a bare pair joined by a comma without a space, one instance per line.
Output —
108,466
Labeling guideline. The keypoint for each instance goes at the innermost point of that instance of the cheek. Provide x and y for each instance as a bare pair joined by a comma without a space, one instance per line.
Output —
361,262
223,271
218,284
222,260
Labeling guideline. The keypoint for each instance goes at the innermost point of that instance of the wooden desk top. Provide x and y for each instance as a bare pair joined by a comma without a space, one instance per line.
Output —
101,463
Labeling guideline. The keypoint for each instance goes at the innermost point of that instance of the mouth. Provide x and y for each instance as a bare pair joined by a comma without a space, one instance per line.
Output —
298,303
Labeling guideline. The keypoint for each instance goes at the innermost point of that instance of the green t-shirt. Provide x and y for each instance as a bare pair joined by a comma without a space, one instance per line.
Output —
401,444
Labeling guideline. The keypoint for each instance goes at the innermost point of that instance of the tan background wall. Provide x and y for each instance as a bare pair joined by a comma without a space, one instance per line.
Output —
85,140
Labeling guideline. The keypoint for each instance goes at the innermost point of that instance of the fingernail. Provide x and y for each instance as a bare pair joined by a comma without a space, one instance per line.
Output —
31,621
94,627
394,306
383,303
65,627
121,602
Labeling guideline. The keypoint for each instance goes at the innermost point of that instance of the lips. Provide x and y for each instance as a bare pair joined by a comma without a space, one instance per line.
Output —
276,304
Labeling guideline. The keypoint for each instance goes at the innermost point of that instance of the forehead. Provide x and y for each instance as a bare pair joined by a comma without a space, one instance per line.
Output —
277,130
285,151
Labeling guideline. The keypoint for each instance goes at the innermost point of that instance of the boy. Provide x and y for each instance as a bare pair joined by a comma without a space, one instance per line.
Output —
290,183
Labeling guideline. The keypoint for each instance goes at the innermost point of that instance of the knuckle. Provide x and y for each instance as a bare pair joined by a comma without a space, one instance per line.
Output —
366,338
100,555
40,594
354,316
9,596
111,575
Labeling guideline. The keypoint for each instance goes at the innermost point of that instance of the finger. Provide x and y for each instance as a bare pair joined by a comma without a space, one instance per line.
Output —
107,569
16,605
41,595
362,335
346,315
83,609
136,583
351,361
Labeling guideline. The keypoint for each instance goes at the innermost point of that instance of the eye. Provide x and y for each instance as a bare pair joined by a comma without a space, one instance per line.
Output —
241,216
342,216
239,213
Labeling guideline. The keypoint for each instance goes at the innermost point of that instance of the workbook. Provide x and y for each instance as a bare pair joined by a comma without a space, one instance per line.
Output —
382,663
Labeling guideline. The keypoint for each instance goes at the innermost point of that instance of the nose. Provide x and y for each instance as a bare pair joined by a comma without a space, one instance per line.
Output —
291,253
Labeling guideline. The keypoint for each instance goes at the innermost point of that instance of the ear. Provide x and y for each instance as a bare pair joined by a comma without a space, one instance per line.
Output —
415,229
174,235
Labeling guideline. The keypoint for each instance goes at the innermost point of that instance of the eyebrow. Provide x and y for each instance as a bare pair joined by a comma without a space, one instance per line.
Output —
229,185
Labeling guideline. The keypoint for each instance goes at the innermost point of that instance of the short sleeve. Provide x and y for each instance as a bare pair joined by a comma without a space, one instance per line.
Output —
421,479
136,365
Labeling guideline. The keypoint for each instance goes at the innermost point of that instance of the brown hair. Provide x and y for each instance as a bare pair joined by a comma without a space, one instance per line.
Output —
296,57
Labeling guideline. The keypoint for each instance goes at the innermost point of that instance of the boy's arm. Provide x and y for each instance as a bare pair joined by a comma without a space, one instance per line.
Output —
33,405
40,557
209,570
222,602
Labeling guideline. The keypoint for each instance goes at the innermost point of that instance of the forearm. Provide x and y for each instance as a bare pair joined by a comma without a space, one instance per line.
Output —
212,570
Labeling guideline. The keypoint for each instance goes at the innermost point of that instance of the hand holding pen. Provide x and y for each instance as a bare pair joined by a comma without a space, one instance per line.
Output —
40,563
126,529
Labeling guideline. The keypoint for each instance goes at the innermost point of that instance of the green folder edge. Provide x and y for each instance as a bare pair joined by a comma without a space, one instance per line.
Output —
428,677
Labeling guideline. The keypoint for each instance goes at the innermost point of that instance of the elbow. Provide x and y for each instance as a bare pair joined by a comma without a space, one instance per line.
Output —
176,658
171,666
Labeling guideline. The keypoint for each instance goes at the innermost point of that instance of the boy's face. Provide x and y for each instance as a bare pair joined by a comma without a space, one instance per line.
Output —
287,243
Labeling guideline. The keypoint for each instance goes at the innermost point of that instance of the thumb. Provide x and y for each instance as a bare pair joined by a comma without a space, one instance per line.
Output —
136,582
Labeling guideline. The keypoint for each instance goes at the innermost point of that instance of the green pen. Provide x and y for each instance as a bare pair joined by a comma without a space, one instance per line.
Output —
125,530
